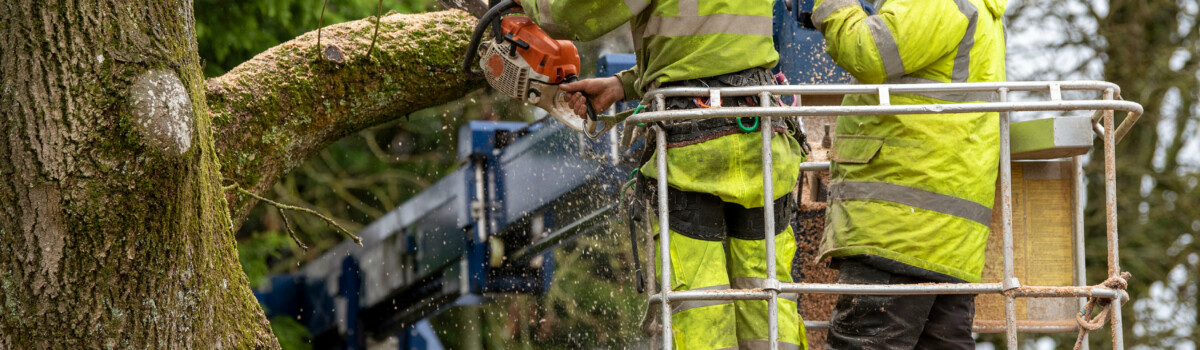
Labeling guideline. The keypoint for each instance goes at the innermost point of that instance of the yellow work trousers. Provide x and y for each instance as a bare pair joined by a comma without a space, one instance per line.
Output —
730,167
739,264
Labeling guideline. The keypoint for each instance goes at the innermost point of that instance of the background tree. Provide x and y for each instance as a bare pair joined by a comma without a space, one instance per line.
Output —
1152,50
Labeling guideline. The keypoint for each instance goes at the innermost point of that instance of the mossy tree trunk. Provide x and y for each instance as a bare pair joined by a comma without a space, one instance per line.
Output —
115,231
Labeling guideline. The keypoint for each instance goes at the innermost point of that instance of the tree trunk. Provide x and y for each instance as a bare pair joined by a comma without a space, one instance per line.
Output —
114,231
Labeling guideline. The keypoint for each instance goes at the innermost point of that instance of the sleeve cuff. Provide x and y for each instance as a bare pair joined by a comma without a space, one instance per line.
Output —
628,80
530,8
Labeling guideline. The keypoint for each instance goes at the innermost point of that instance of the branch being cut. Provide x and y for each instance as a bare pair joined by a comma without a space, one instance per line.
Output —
284,105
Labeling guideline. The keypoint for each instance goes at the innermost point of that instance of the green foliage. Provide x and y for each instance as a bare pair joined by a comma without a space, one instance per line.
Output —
594,293
230,32
291,334
260,252
592,304
1148,49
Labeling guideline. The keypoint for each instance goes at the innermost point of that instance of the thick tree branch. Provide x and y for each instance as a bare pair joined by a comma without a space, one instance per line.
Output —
284,105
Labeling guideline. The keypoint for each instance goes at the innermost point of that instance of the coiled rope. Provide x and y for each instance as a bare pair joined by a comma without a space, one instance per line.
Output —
1087,323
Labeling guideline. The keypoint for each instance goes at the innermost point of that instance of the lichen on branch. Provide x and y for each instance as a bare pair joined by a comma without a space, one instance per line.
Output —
279,108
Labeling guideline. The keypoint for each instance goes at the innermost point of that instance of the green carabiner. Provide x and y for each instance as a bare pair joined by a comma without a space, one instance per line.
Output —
745,128
638,110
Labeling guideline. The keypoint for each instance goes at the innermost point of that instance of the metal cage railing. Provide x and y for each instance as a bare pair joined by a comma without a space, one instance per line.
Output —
1010,287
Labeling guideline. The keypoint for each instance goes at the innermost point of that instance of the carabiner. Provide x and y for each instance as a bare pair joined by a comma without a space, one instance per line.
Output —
749,128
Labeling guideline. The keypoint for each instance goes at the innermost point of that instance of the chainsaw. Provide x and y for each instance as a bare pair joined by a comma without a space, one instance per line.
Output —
524,63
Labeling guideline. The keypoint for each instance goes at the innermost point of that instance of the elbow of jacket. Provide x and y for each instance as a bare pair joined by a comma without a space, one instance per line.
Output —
586,35
865,75
868,77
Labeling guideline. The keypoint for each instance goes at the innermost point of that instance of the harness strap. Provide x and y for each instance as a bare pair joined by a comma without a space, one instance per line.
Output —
748,224
696,215
696,131
689,132
706,217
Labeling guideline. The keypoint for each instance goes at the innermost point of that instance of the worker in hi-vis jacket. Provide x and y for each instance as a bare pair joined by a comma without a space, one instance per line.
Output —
911,195
715,167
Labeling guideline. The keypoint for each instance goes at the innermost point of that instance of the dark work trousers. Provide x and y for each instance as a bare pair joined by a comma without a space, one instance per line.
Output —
897,321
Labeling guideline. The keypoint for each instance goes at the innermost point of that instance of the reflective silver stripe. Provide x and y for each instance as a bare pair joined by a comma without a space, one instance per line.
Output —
681,306
544,16
962,61
885,43
689,8
748,282
635,6
717,287
975,96
828,8
763,345
546,19
711,24
914,197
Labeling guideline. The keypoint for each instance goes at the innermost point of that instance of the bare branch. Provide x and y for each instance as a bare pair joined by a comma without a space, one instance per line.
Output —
291,232
282,206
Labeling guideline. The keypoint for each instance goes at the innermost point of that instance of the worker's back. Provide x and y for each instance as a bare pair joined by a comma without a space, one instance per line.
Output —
950,158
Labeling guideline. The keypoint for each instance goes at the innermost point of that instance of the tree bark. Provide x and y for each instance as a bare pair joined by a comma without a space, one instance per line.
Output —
114,228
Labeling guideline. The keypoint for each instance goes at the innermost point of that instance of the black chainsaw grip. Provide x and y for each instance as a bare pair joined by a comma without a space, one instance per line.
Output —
477,35
591,111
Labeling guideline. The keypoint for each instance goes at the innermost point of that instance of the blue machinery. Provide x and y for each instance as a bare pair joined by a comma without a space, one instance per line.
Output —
487,227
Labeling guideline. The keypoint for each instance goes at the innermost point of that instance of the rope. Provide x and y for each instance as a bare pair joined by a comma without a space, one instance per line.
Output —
1087,323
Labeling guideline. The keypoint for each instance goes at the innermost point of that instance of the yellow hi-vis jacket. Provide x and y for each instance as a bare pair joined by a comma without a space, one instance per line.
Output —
674,40
917,189
679,40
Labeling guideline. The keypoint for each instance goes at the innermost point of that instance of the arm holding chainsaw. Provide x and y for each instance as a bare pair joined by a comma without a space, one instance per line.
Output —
580,20
604,91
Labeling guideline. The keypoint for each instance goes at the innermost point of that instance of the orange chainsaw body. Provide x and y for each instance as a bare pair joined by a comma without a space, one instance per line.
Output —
555,59
526,64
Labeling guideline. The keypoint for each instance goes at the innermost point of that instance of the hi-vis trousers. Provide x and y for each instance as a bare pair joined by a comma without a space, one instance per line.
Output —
726,324
723,245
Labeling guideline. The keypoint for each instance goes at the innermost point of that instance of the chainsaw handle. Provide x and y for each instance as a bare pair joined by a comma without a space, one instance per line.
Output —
485,21
591,111
593,127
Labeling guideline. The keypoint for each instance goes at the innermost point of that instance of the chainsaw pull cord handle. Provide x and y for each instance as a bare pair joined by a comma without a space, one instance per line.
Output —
489,19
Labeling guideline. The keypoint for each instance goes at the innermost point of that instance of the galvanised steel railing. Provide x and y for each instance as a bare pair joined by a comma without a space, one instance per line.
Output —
1009,287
